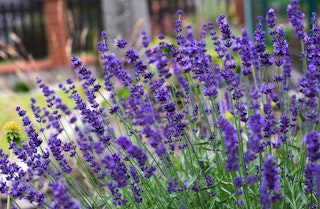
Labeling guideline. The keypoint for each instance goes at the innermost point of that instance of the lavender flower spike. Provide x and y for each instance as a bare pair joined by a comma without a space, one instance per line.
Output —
62,196
270,183
308,175
295,16
270,178
225,29
271,19
231,142
313,145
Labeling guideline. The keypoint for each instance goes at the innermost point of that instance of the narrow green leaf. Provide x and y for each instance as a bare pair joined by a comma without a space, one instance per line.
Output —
192,180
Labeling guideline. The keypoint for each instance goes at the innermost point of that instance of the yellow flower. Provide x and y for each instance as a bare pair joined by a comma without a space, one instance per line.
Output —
228,115
12,130
11,126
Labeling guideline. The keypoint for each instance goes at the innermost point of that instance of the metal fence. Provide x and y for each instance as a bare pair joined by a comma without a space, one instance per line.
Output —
25,19
84,24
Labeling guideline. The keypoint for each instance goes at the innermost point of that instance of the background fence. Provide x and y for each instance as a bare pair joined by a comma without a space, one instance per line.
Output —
24,18
84,24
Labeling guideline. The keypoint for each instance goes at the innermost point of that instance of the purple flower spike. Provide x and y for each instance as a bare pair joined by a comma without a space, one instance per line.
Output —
270,184
231,142
280,45
266,88
295,16
238,181
270,178
116,168
256,124
225,30
145,39
313,144
246,53
308,175
124,142
309,85
271,19
173,186
133,150
76,61
102,45
260,45
62,196
209,182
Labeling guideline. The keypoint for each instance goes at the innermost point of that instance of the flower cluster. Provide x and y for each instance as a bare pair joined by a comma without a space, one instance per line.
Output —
178,124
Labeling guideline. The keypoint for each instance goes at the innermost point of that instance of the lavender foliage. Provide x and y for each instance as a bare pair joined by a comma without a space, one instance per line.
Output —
188,123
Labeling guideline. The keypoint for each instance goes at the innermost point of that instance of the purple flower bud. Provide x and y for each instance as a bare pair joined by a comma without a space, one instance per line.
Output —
76,62
267,88
161,36
173,186
209,181
145,39
238,181
120,43
179,12
102,45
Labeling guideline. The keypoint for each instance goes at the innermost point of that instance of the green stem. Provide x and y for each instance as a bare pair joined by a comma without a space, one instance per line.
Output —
78,189
16,204
304,60
128,125
9,187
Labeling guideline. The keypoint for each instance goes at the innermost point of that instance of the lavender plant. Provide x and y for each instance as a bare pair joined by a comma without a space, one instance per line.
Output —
194,130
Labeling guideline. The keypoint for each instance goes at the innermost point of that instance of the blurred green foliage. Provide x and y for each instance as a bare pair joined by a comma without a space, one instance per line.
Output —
20,87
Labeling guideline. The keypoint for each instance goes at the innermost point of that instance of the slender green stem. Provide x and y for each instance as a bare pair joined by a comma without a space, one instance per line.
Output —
304,60
79,189
128,125
16,204
9,187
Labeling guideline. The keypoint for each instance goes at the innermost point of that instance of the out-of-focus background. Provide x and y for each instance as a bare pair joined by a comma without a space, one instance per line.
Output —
38,37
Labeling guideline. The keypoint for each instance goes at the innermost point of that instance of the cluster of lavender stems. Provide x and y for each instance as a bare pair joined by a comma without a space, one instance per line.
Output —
196,129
